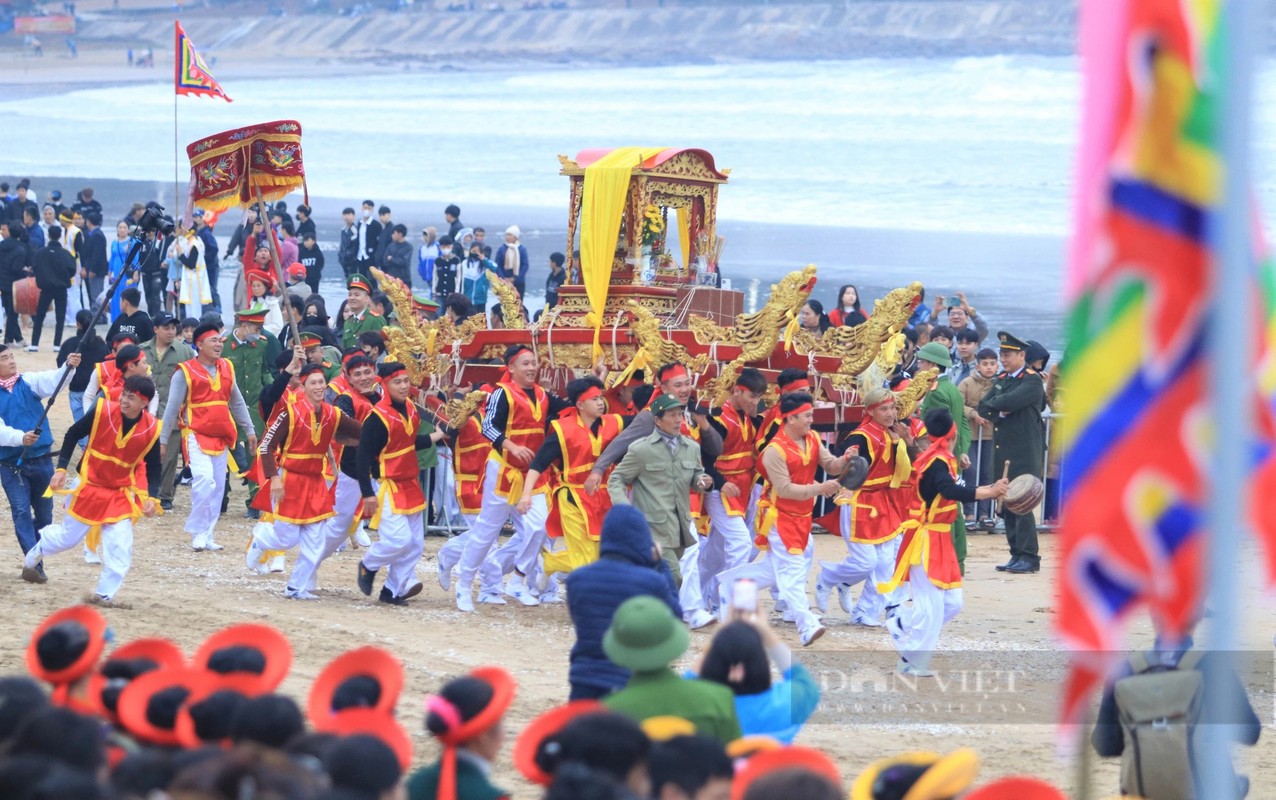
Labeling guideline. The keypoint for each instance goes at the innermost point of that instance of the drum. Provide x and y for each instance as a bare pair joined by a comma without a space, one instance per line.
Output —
26,296
1024,494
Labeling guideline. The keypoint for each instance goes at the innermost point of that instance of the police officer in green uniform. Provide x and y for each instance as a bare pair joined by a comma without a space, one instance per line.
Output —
361,319
317,353
253,353
1014,405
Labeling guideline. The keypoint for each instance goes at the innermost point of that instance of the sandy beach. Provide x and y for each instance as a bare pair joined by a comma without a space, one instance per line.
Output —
999,670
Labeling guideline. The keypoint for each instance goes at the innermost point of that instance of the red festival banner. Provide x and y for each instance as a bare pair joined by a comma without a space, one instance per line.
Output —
230,168
190,73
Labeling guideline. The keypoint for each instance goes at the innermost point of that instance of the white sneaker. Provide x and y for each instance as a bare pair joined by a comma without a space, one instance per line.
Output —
33,349
905,668
199,542
844,596
822,593
210,545
860,618
33,556
811,634
445,577
91,557
517,589
362,538
276,564
253,558
301,595
492,599
700,618
464,601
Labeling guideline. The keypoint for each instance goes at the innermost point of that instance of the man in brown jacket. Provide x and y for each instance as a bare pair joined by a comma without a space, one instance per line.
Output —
979,473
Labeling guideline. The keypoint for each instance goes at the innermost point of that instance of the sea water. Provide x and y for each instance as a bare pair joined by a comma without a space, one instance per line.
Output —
970,144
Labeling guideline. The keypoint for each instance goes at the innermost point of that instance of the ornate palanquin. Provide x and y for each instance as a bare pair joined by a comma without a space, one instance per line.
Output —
649,320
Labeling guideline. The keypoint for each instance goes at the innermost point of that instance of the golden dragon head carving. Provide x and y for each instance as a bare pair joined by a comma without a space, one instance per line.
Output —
425,347
906,401
511,303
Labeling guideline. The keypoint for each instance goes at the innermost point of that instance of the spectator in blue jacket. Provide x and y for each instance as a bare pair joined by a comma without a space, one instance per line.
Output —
738,659
628,566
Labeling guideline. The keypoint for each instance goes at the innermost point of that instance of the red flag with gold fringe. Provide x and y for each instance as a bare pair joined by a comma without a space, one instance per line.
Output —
228,169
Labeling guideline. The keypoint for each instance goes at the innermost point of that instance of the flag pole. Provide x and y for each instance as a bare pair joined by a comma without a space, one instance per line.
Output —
1230,352
177,71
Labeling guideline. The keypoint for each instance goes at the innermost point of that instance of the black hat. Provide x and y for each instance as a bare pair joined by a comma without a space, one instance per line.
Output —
163,318
1011,342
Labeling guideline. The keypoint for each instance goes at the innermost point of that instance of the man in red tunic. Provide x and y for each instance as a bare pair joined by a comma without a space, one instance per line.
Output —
518,413
302,431
386,467
111,495
469,462
574,443
870,521
204,400
790,461
108,377
927,559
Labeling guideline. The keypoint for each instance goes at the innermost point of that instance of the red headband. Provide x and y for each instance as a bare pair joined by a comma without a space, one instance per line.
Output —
676,371
800,409
590,394
800,385
403,370
888,401
205,335
132,361
522,348
350,356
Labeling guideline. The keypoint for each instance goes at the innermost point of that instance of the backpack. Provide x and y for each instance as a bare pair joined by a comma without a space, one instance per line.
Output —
1159,706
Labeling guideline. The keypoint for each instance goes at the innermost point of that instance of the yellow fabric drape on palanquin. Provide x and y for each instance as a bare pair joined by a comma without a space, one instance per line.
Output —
684,235
602,206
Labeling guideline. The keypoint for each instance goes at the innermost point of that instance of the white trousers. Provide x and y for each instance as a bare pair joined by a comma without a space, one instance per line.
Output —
784,571
522,551
116,551
445,502
870,563
923,620
400,542
208,483
450,555
691,595
728,545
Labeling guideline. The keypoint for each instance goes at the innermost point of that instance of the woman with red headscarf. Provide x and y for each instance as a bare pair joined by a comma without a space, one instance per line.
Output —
927,560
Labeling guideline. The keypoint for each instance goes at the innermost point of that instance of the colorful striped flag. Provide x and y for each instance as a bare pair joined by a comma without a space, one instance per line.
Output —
190,73
1140,283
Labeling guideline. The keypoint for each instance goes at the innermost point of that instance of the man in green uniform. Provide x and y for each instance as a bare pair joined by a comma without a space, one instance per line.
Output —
945,395
361,319
317,353
1014,405
252,351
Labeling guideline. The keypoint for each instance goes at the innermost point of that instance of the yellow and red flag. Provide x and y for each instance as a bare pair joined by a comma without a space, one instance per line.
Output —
190,73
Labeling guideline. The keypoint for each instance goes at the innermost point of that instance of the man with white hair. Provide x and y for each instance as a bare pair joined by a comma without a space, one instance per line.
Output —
513,260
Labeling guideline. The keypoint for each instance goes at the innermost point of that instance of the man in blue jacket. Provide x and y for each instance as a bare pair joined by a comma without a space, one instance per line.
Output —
26,465
628,566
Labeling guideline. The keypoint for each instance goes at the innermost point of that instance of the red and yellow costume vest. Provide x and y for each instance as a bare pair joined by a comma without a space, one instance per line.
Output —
524,425
362,409
469,458
113,471
616,406
738,459
875,508
697,498
581,447
399,470
303,463
791,518
109,379
206,412
928,540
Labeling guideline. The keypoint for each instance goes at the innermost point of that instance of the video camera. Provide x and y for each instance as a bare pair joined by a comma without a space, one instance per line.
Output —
154,220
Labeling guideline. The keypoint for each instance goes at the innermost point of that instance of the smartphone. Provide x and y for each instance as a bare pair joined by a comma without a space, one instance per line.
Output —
744,596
